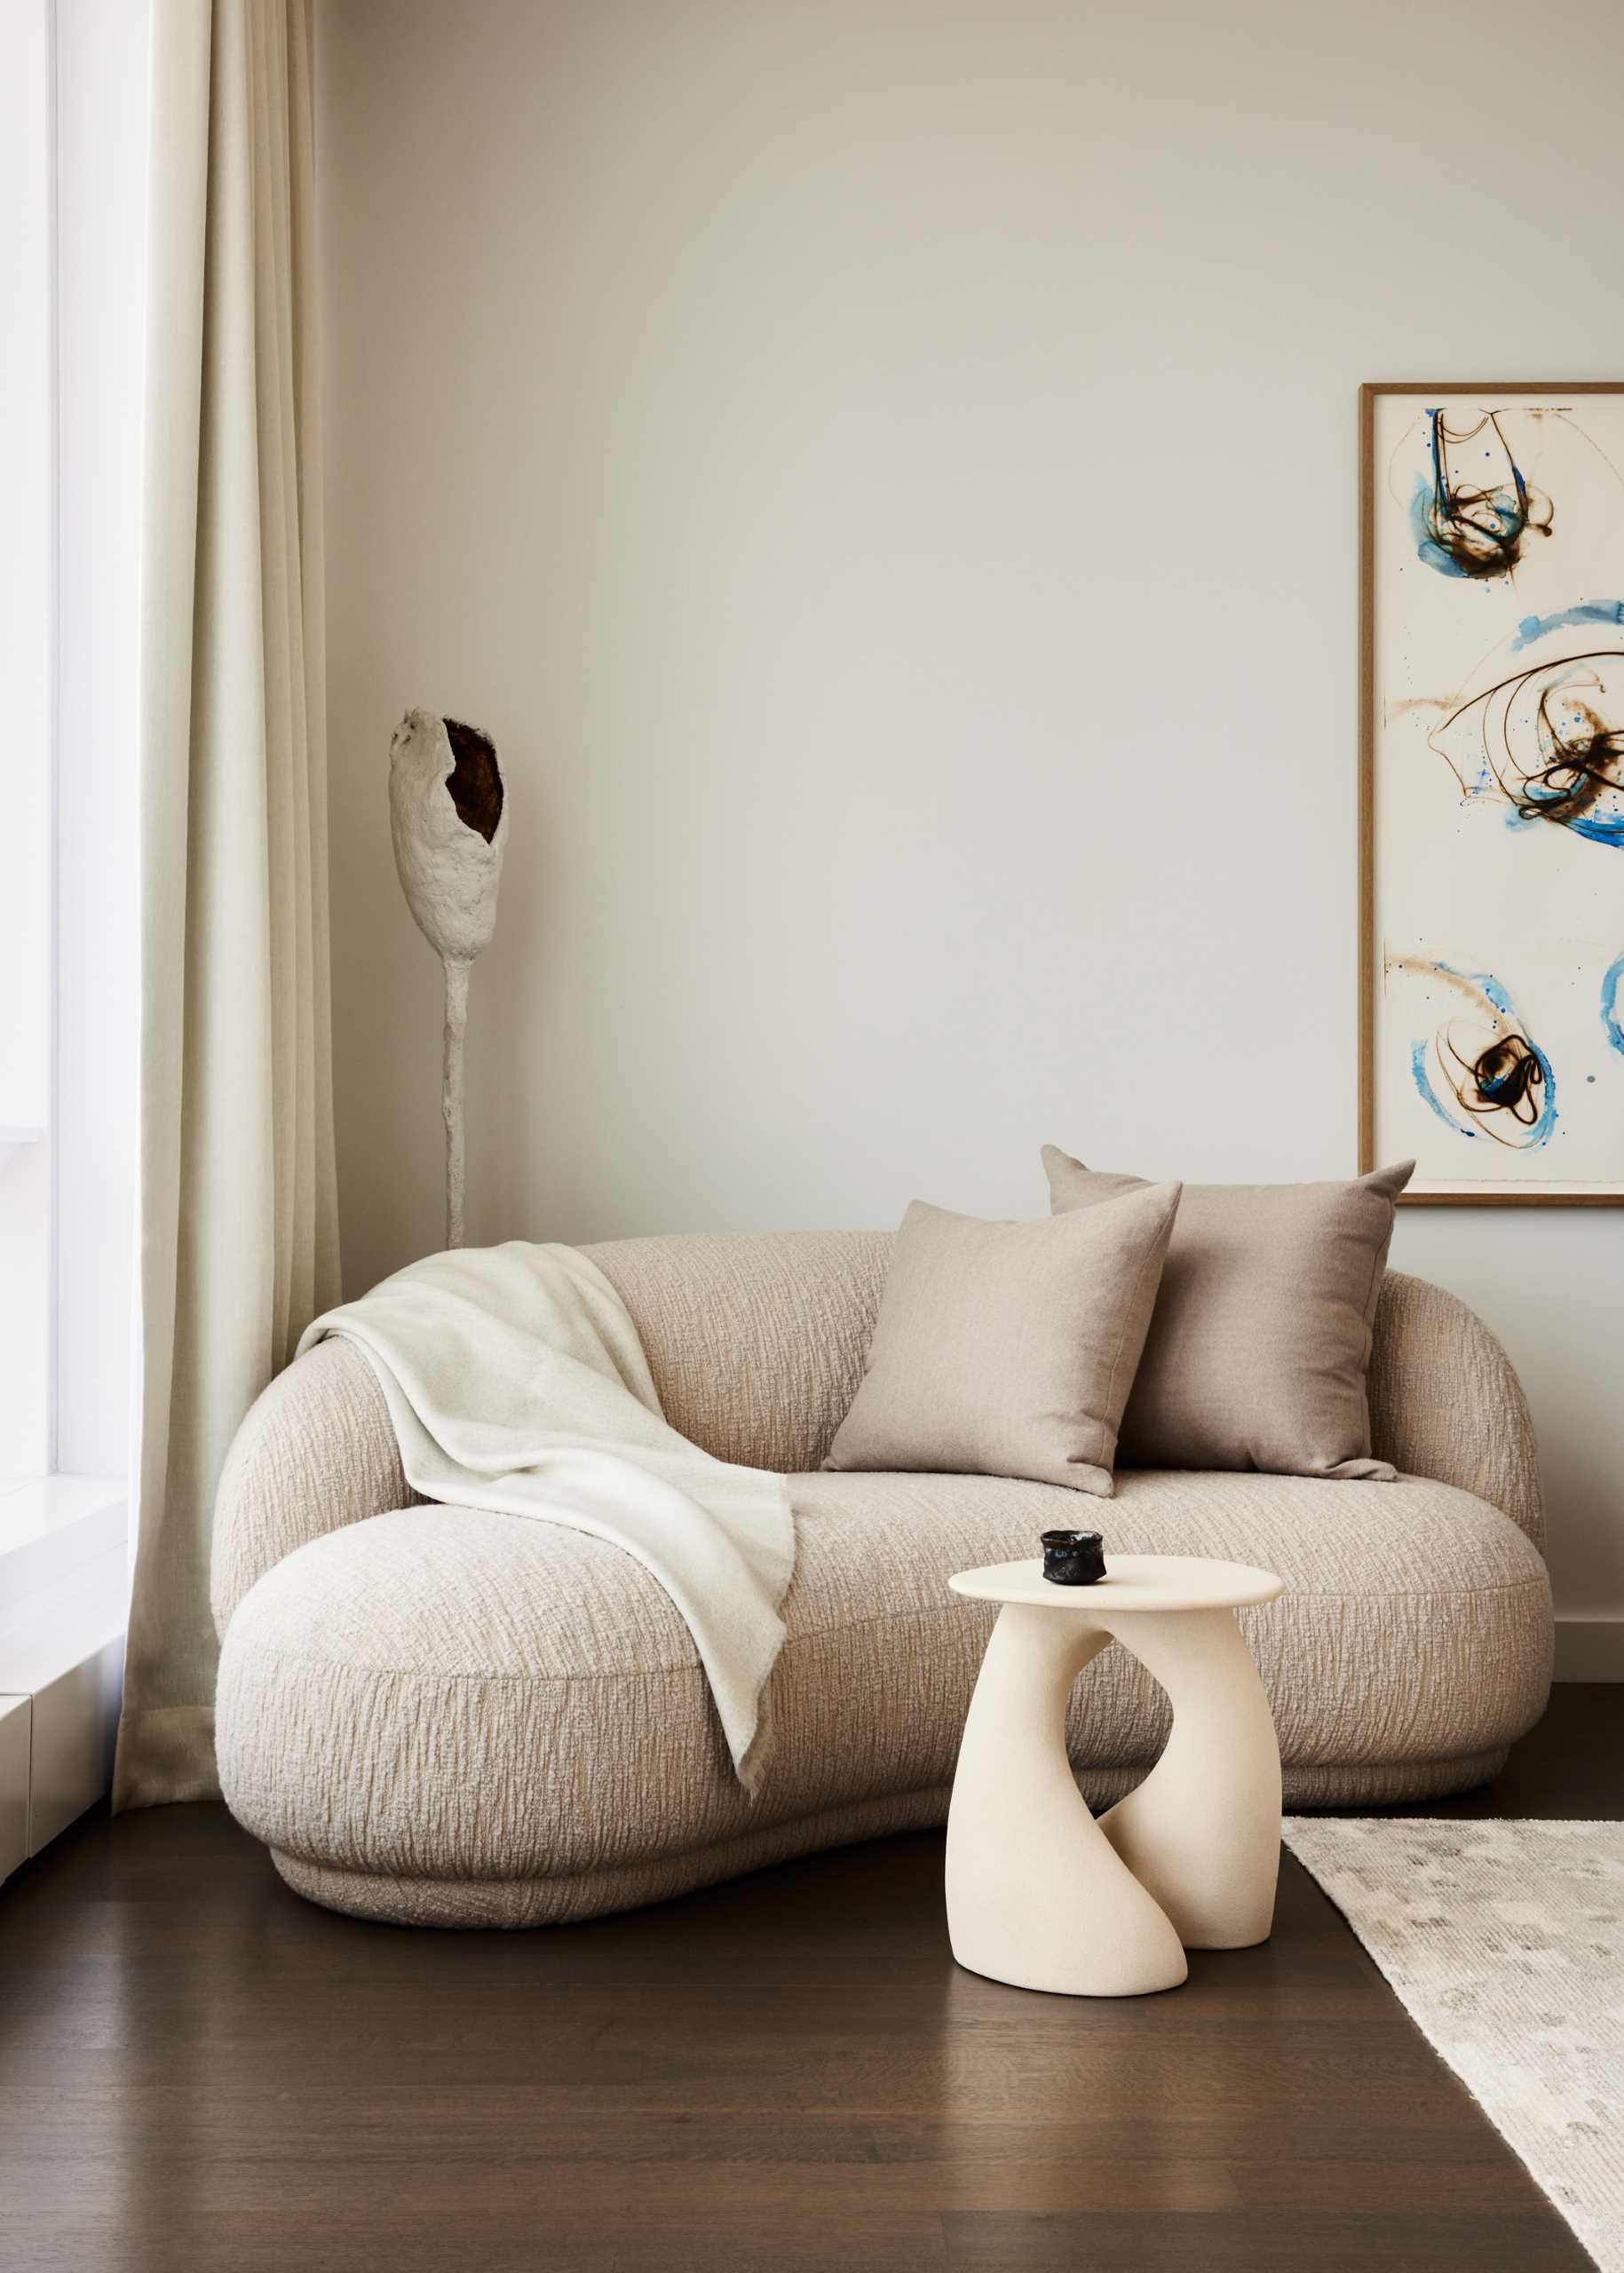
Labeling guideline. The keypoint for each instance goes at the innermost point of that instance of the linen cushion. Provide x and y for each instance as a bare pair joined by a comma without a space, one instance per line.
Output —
1257,1354
1009,1348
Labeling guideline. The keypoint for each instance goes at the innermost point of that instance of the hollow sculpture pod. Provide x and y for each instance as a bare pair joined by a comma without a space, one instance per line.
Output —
448,817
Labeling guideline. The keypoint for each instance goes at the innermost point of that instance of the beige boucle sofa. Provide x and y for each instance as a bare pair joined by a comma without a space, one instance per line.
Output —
455,1718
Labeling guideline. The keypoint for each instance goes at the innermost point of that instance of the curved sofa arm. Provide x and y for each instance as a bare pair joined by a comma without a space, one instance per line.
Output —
1446,1402
316,1453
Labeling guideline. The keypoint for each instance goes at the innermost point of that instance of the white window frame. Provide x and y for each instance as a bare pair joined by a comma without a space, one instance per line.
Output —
64,1487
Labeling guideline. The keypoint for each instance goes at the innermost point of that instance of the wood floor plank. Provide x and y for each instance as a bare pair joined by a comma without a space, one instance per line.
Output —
1328,2241
785,2075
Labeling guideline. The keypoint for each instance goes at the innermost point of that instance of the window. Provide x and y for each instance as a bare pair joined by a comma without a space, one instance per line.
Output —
73,77
72,189
27,516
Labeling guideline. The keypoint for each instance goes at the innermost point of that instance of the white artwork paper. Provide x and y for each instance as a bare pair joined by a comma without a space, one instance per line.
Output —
1496,724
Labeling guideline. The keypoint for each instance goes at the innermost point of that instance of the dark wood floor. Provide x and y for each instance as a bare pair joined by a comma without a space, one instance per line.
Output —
200,2071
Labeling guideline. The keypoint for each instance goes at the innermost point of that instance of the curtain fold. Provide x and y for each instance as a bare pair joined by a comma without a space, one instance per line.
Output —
239,1241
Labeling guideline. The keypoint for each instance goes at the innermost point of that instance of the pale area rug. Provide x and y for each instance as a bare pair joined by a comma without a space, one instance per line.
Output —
1505,1942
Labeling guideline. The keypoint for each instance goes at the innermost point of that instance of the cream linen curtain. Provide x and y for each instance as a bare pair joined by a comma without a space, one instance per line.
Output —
239,1244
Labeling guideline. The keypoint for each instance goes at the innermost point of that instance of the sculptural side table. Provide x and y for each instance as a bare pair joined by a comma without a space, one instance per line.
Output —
1041,1895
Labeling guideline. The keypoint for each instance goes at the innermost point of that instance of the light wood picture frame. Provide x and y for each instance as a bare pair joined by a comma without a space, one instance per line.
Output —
1491,903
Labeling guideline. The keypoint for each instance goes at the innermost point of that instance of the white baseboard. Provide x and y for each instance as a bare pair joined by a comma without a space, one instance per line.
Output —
1590,1649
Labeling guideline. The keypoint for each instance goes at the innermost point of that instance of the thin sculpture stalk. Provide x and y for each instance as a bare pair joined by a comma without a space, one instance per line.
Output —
448,817
451,1110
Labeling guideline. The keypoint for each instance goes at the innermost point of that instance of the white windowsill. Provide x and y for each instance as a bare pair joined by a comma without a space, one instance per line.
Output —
54,1531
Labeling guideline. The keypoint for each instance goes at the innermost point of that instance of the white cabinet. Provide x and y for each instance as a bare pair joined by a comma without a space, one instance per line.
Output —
16,1714
63,1597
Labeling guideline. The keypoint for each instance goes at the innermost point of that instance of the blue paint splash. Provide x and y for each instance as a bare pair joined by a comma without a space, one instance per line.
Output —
1472,532
1586,825
1418,1067
1535,627
1611,1026
1494,992
1427,547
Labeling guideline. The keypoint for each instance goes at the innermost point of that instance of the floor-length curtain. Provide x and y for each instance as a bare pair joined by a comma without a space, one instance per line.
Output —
239,1244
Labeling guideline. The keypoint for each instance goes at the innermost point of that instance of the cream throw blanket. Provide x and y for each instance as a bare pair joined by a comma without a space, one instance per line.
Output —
516,1381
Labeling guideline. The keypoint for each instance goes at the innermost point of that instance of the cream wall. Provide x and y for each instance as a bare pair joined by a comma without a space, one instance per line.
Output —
883,470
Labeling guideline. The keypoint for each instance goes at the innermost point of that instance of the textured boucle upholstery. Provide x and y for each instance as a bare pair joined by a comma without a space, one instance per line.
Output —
452,1693
756,1341
316,1452
451,1716
1445,1401
756,1344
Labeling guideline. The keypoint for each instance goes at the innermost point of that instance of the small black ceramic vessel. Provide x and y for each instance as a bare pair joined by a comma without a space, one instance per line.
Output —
1073,1558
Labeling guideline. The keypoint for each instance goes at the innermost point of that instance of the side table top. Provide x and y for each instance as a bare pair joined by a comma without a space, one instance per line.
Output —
1131,1582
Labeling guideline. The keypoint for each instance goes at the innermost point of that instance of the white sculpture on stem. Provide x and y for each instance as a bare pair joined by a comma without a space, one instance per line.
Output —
448,816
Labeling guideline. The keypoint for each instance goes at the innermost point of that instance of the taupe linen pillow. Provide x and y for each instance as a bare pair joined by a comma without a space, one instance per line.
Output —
1009,1348
1257,1353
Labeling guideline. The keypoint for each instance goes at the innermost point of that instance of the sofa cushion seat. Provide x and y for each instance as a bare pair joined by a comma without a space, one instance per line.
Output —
462,1717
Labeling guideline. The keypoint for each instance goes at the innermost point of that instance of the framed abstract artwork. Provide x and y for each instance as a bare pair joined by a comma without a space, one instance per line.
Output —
1492,790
